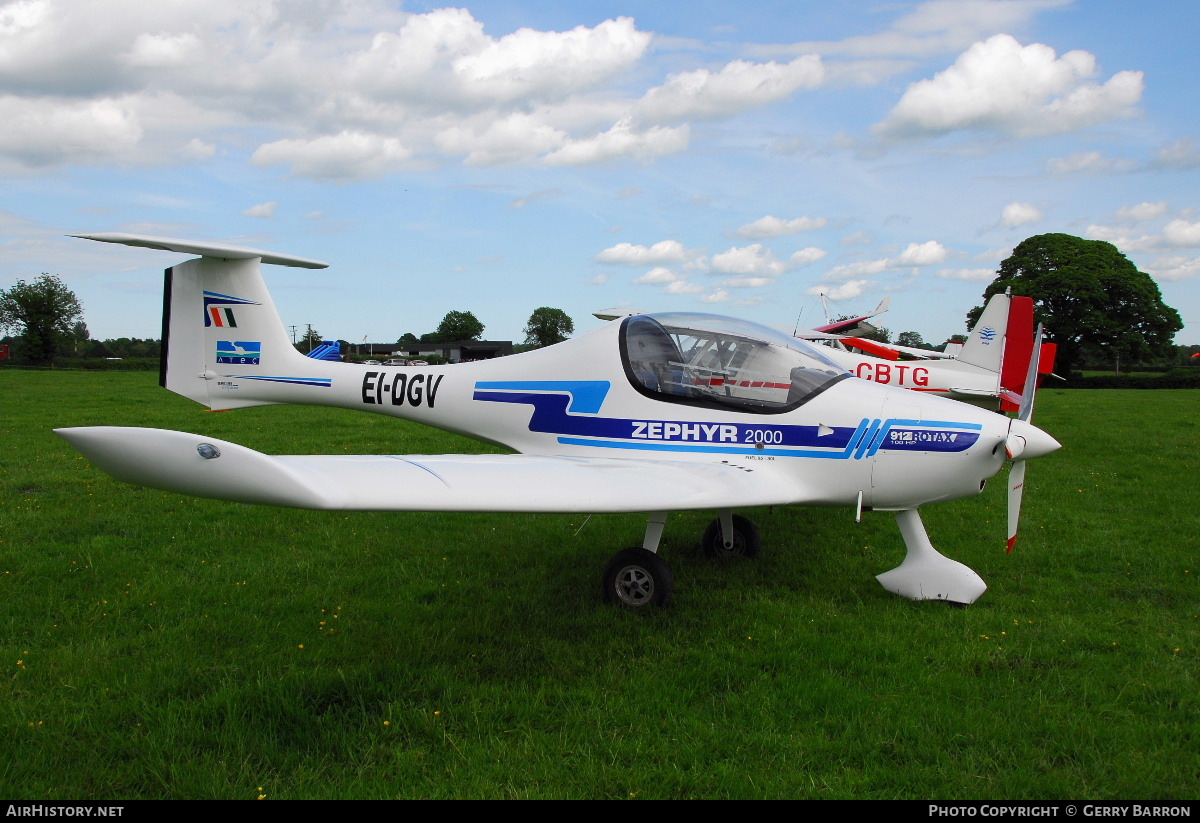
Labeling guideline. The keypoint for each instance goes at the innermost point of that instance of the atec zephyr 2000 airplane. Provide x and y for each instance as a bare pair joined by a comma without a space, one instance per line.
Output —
656,413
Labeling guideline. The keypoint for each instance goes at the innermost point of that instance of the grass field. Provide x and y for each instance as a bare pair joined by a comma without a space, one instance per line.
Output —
166,647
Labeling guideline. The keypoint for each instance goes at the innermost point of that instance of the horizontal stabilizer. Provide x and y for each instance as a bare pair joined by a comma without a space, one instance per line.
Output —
204,249
208,467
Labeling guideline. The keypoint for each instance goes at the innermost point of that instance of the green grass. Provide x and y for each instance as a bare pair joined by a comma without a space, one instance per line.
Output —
156,646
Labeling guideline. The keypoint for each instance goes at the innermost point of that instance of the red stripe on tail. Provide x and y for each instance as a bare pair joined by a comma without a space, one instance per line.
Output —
1018,347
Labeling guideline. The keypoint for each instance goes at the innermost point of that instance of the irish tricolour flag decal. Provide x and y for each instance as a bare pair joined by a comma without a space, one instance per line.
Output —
218,309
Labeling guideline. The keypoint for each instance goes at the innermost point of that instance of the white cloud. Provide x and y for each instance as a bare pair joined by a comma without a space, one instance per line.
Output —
928,253
262,210
999,85
657,276
771,226
846,291
621,141
738,86
197,149
628,254
994,255
1020,214
551,63
341,91
157,51
48,132
1180,154
504,140
1081,161
755,260
682,287
1120,238
446,54
1181,233
342,157
350,91
1177,234
747,282
931,28
805,256
849,271
1142,211
1174,268
858,238
968,274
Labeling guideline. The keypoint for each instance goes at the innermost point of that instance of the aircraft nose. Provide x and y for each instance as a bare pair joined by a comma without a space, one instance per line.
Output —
1026,440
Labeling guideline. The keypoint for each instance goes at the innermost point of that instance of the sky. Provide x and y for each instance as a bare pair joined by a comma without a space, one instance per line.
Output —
739,157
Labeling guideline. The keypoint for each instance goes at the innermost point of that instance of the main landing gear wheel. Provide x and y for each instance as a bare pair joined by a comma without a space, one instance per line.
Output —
746,542
637,578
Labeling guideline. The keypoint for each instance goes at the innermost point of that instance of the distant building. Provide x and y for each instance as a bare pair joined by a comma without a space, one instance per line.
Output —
457,351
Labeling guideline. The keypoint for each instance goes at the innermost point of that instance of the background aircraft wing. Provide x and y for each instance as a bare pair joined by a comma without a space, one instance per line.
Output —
208,467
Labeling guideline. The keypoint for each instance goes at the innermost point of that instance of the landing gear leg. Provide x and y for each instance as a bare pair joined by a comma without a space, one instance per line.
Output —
925,574
731,535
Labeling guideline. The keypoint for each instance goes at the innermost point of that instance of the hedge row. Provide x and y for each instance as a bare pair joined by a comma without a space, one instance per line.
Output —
96,364
1174,379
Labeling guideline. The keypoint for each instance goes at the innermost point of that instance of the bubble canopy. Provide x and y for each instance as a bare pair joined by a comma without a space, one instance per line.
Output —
722,362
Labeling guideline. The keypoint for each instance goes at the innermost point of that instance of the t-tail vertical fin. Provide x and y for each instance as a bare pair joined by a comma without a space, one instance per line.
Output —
985,344
224,344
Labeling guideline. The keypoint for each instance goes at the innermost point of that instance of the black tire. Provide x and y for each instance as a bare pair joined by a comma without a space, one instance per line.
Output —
637,579
746,542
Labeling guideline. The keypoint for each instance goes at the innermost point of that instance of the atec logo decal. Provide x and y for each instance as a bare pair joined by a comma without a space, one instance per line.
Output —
239,352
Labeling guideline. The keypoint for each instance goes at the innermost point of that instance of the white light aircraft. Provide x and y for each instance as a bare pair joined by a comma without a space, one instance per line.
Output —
655,413
989,368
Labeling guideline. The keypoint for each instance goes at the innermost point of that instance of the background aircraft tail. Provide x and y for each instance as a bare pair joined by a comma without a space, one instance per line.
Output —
219,322
1003,341
985,345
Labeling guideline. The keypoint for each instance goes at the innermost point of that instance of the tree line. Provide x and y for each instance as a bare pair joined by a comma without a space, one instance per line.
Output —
44,321
1093,301
545,327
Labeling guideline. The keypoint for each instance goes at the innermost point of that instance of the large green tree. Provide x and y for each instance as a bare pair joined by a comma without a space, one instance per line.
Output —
912,340
1089,296
547,326
456,325
43,314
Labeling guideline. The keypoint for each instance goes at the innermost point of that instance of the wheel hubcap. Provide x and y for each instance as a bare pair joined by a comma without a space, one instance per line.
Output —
736,550
635,586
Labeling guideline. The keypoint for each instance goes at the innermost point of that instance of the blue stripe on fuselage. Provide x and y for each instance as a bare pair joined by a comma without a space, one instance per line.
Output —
550,415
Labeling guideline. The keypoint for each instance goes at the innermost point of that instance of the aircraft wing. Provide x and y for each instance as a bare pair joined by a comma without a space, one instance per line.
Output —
177,461
849,323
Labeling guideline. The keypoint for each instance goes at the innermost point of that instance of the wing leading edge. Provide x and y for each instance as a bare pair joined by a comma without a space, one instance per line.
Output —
208,467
